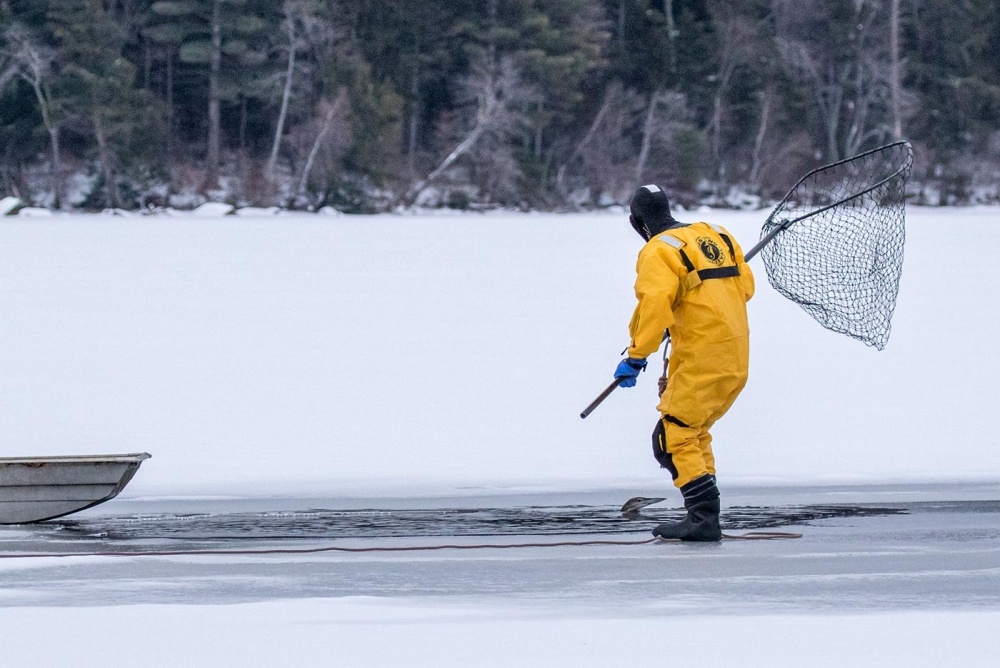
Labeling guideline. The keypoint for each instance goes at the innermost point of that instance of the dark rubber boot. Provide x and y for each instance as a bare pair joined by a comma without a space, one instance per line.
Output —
701,524
701,498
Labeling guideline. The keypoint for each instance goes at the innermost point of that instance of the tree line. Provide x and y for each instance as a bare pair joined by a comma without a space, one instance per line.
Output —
367,105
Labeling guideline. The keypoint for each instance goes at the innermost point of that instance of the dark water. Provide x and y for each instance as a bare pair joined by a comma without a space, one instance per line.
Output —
320,523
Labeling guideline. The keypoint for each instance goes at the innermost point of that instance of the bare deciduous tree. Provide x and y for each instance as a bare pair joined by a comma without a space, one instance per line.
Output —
647,135
609,165
214,97
849,78
332,133
764,124
608,156
779,158
495,95
302,26
610,94
8,71
33,63
666,111
286,94
896,71
739,42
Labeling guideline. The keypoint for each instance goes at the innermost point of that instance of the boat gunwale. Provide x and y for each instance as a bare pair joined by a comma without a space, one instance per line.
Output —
78,459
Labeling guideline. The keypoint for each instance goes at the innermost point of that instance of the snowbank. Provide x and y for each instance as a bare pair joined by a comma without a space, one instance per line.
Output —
213,209
35,212
8,205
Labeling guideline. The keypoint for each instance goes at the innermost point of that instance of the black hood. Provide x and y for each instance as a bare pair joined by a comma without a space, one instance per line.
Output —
650,212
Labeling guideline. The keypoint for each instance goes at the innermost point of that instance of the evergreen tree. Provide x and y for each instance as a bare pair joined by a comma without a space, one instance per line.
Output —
224,40
563,45
355,79
956,71
96,85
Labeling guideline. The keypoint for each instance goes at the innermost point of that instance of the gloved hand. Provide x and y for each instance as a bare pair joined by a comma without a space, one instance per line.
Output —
628,369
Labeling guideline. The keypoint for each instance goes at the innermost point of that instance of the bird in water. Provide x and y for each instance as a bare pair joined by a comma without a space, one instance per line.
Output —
637,503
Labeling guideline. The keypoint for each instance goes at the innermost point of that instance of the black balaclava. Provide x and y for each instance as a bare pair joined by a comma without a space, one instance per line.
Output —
650,212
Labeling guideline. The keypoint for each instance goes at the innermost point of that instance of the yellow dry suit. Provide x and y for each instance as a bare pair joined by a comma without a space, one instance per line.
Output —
694,281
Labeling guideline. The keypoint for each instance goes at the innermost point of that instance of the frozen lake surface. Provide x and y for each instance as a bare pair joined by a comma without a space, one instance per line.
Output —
417,356
866,548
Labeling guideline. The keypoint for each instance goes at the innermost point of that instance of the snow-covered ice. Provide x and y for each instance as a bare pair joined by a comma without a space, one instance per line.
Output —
449,356
376,632
306,355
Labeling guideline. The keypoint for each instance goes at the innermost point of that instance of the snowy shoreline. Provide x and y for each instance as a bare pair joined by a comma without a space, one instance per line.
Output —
12,208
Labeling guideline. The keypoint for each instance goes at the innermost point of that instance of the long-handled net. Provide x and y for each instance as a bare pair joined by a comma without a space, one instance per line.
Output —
834,244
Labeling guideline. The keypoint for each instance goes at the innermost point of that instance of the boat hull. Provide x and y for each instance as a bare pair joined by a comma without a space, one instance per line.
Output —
34,489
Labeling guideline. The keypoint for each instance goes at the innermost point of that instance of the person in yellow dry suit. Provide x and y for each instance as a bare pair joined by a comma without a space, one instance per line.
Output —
692,281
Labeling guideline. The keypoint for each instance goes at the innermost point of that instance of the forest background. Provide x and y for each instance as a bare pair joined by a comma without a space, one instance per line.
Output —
372,105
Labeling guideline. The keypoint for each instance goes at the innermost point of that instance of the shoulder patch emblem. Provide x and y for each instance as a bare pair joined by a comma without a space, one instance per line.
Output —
710,250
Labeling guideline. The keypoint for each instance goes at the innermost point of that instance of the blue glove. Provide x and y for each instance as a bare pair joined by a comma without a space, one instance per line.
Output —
628,370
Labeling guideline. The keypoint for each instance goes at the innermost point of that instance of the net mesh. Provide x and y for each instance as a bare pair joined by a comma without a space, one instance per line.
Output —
841,255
